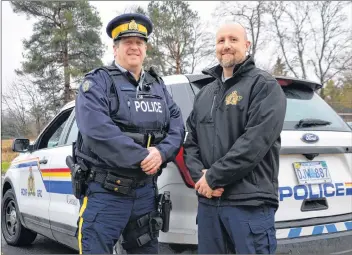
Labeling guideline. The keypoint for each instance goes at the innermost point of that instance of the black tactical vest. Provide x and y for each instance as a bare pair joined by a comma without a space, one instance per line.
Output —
141,115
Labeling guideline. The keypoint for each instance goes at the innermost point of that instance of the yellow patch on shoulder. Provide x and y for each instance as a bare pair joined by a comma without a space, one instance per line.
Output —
86,86
233,98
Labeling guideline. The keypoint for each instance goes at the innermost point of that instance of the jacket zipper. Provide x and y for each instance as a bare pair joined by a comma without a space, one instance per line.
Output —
214,120
212,106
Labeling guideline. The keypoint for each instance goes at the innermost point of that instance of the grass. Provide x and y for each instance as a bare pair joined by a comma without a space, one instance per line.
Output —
4,167
7,155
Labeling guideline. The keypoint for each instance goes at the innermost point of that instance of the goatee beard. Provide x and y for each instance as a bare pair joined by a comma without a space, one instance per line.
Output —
228,63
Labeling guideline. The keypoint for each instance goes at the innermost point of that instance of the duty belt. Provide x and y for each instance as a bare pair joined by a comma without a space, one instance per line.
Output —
117,183
147,139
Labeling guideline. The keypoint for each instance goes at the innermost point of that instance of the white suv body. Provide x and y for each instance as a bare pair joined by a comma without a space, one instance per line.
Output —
37,189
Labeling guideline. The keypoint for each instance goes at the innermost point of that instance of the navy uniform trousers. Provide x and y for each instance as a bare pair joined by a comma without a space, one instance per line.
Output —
236,229
104,215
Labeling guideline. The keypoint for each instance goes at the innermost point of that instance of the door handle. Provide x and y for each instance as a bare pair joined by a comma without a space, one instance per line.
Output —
43,161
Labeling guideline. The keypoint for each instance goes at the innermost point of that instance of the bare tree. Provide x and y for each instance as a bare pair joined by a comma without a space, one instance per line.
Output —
8,125
27,106
291,22
250,15
203,45
333,42
179,42
13,102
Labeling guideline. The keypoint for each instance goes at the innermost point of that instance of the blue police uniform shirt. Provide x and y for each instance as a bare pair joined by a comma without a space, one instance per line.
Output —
105,139
141,78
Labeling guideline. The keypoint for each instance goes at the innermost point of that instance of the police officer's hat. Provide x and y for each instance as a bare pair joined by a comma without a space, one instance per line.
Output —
129,24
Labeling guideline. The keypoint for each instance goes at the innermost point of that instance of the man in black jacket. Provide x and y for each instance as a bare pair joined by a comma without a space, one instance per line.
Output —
232,150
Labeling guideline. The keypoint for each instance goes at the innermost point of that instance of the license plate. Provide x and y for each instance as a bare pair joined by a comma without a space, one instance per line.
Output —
313,172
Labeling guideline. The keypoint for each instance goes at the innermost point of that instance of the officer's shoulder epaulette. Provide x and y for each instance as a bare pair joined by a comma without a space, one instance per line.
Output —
111,70
153,73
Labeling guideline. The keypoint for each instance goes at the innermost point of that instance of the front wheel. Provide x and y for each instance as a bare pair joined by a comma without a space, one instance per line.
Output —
12,229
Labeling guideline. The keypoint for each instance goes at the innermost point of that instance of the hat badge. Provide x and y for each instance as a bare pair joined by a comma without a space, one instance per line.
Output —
132,25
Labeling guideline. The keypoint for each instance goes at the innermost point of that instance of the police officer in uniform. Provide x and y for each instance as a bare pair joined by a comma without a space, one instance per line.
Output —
129,127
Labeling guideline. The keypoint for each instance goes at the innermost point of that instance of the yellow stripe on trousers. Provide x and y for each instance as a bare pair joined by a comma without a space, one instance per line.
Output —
84,206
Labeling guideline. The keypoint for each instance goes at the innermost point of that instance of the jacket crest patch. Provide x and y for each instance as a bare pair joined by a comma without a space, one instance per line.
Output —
233,98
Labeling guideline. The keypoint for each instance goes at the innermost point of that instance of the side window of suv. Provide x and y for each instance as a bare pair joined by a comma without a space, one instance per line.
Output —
183,96
73,132
54,139
52,136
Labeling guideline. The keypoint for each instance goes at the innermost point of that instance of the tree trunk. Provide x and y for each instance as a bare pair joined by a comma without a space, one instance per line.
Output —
301,61
37,125
67,92
178,62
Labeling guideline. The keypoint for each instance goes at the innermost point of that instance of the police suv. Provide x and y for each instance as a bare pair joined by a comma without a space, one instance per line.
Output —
315,179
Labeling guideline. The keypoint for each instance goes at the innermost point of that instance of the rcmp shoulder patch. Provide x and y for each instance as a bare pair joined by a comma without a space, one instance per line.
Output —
91,72
86,85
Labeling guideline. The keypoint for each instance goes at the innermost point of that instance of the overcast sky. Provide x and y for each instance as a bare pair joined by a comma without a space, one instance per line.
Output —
15,28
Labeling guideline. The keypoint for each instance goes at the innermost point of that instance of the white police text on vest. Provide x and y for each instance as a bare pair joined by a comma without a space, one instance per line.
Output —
148,106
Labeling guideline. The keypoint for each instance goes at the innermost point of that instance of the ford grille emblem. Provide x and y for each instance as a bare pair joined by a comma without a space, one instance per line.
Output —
310,138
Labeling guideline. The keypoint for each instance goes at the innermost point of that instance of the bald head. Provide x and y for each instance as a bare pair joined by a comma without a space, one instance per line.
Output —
231,44
234,26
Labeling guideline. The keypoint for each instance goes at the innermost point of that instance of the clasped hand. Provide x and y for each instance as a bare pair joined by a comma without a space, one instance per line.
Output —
203,188
151,164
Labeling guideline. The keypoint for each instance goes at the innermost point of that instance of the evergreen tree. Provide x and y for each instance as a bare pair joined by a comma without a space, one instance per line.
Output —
279,68
179,41
64,45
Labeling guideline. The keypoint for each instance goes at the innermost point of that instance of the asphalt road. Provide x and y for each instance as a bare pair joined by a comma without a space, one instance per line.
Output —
44,245
41,245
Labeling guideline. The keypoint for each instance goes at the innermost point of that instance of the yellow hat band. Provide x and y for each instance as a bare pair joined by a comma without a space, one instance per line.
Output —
126,27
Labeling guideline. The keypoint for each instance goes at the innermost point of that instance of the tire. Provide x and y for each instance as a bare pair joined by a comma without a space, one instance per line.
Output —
13,231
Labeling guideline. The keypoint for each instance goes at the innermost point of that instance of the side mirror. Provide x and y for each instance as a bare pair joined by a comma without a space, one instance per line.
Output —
20,145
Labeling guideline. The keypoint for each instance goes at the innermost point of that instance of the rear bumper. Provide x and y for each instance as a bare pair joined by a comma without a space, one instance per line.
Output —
327,235
336,244
331,243
324,237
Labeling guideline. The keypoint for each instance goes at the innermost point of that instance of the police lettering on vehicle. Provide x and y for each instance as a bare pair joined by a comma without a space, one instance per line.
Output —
24,192
146,106
310,191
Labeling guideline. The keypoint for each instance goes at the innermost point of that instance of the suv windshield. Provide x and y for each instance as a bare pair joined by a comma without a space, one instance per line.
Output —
303,105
